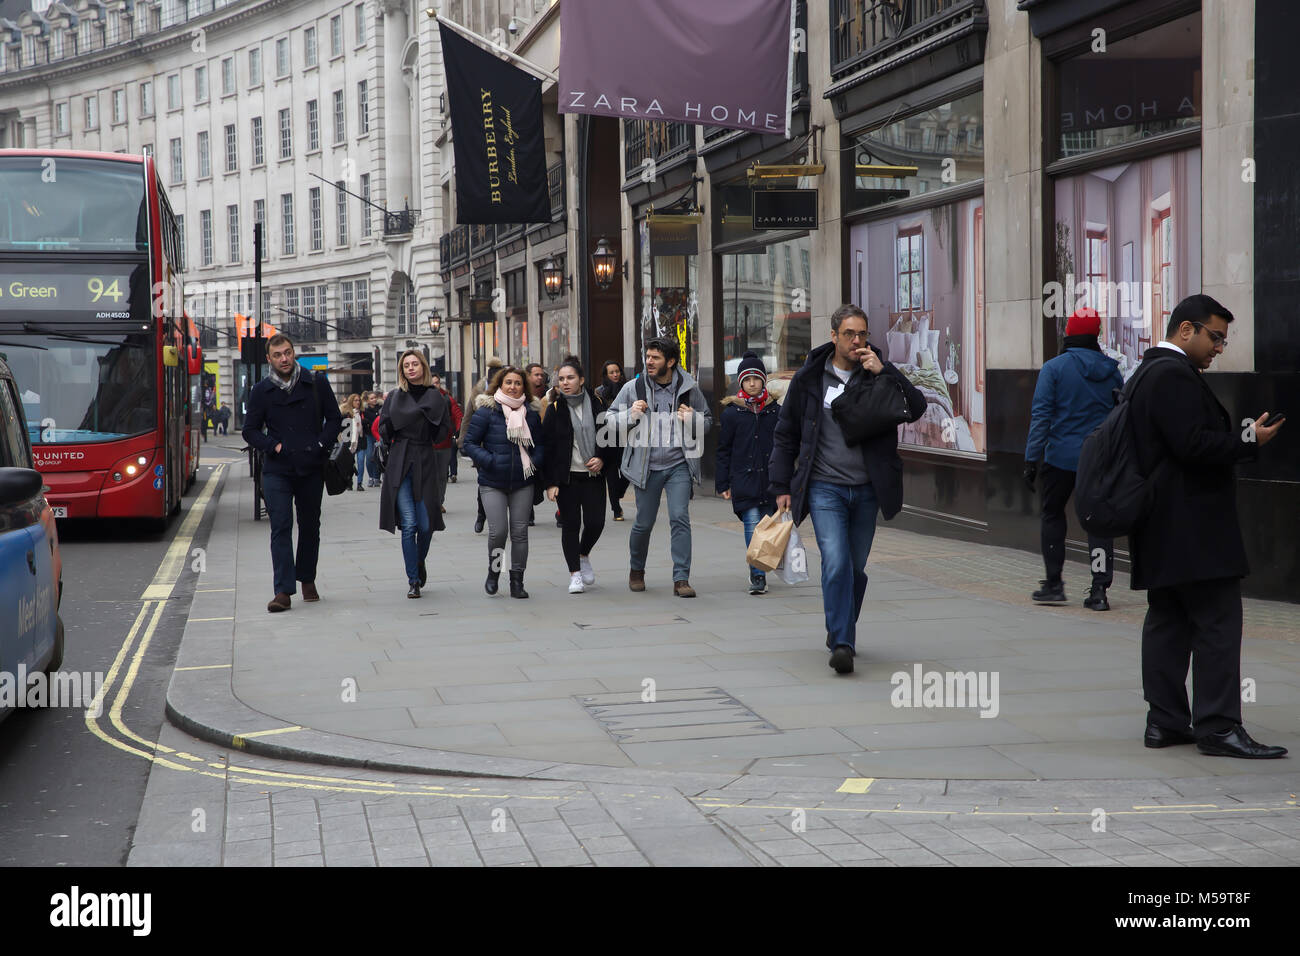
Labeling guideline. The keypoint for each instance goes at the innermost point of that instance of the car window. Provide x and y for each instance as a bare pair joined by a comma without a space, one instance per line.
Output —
13,447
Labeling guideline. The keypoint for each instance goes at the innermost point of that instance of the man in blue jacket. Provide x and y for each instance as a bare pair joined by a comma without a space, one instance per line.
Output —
293,419
1075,392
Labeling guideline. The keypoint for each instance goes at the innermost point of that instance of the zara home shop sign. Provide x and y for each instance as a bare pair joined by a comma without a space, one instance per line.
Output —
785,209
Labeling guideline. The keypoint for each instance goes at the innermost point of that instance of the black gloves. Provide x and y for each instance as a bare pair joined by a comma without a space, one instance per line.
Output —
1030,474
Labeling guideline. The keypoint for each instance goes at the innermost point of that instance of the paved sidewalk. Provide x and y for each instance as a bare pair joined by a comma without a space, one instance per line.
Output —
741,683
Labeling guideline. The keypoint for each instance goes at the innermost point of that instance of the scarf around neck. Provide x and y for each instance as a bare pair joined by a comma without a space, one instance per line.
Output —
754,403
584,433
516,413
292,381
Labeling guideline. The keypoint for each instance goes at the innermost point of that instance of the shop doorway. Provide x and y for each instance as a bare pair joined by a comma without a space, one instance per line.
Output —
601,321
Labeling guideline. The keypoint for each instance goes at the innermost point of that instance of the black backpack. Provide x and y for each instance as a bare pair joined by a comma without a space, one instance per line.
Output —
1111,495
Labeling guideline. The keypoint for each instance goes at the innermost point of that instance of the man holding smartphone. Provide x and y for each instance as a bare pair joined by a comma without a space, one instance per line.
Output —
841,486
1188,553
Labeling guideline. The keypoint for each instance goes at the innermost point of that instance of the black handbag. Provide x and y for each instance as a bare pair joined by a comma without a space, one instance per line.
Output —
340,466
870,406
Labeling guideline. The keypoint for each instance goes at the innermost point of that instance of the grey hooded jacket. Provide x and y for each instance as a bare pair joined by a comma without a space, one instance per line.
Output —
634,435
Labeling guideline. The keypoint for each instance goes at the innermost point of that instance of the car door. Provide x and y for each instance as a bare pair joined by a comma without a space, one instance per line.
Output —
25,564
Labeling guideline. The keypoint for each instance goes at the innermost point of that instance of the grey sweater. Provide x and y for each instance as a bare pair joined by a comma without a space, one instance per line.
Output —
835,461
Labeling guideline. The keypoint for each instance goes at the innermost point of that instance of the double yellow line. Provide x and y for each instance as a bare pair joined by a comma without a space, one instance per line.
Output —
122,675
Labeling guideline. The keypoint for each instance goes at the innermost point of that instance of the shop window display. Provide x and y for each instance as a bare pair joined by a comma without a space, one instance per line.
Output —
1128,244
920,279
767,309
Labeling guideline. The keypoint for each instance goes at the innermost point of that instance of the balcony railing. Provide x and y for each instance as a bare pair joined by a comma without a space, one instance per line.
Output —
302,330
400,222
650,139
860,28
353,327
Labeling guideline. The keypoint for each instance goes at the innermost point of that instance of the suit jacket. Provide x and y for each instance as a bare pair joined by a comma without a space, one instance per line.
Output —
1187,439
292,420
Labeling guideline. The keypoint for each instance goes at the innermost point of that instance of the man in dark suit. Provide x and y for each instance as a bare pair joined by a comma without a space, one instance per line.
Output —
1188,553
293,419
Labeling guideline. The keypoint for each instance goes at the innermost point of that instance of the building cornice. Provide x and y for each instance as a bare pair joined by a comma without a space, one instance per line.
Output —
148,46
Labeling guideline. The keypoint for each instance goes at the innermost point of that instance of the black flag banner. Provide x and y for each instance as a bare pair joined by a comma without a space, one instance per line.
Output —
496,124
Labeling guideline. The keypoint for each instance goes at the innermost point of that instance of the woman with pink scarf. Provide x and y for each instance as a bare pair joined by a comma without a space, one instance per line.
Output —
503,440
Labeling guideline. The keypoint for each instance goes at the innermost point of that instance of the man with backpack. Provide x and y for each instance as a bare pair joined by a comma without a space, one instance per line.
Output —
1075,391
664,415
1185,537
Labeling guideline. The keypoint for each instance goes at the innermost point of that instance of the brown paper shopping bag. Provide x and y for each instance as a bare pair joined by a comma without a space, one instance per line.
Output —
767,544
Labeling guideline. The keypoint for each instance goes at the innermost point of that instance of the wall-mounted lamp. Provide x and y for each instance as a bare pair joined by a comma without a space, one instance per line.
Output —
604,263
435,320
553,278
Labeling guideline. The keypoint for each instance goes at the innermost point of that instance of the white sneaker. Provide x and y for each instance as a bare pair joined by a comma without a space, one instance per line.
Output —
587,572
575,583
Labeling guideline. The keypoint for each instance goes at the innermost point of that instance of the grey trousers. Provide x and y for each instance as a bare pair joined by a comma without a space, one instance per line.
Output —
496,504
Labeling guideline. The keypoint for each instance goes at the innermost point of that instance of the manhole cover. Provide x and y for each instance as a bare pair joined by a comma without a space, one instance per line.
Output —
690,714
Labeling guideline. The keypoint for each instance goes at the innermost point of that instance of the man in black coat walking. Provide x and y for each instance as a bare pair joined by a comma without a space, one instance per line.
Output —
844,487
1188,553
293,419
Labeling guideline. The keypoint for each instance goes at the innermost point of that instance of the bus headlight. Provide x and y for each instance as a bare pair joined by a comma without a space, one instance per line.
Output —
131,470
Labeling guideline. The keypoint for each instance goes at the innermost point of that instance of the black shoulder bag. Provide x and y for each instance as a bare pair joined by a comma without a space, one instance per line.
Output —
340,466
870,406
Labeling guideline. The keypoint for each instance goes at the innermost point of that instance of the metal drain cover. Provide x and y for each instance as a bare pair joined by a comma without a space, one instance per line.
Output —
691,714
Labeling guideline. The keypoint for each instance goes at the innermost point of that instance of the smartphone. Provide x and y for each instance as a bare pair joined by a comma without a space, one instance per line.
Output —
1275,417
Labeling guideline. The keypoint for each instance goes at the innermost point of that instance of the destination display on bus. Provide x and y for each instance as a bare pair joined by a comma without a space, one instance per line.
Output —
89,291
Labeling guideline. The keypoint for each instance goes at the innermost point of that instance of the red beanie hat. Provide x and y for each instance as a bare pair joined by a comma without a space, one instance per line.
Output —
1084,322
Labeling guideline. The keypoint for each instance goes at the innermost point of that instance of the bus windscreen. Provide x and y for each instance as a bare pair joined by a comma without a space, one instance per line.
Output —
50,203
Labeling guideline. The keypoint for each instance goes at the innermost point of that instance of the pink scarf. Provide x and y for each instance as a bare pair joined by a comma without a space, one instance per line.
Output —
516,412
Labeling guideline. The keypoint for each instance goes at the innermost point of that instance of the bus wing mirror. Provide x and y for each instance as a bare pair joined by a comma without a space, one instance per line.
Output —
196,360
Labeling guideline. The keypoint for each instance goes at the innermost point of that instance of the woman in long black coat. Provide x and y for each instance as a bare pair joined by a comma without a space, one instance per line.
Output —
414,418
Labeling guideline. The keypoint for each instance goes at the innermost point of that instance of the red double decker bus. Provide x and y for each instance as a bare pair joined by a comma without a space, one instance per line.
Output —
92,324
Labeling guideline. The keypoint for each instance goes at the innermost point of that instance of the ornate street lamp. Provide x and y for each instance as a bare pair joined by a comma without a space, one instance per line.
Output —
553,278
604,263
435,320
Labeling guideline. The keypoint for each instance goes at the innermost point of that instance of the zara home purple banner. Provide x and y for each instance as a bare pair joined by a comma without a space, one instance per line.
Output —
713,62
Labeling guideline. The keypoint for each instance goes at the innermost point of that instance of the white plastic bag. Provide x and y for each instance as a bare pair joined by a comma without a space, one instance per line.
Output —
794,567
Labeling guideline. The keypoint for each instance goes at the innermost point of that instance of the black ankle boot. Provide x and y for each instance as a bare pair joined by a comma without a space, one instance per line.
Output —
1096,599
490,585
517,585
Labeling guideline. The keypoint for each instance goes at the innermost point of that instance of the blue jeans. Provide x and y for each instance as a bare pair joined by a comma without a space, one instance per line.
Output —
372,463
417,531
751,517
677,482
844,520
282,492
363,453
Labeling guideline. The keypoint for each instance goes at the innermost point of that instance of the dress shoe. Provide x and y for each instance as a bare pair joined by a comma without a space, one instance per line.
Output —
309,592
1235,742
517,585
1157,737
424,575
280,602
683,589
413,591
636,580
842,659
1051,592
618,516
492,582
1096,599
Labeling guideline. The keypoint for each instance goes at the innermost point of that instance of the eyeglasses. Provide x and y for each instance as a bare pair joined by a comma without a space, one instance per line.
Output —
864,335
1218,338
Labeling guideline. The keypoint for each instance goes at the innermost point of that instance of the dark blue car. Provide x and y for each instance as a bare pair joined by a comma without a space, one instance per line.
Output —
31,572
